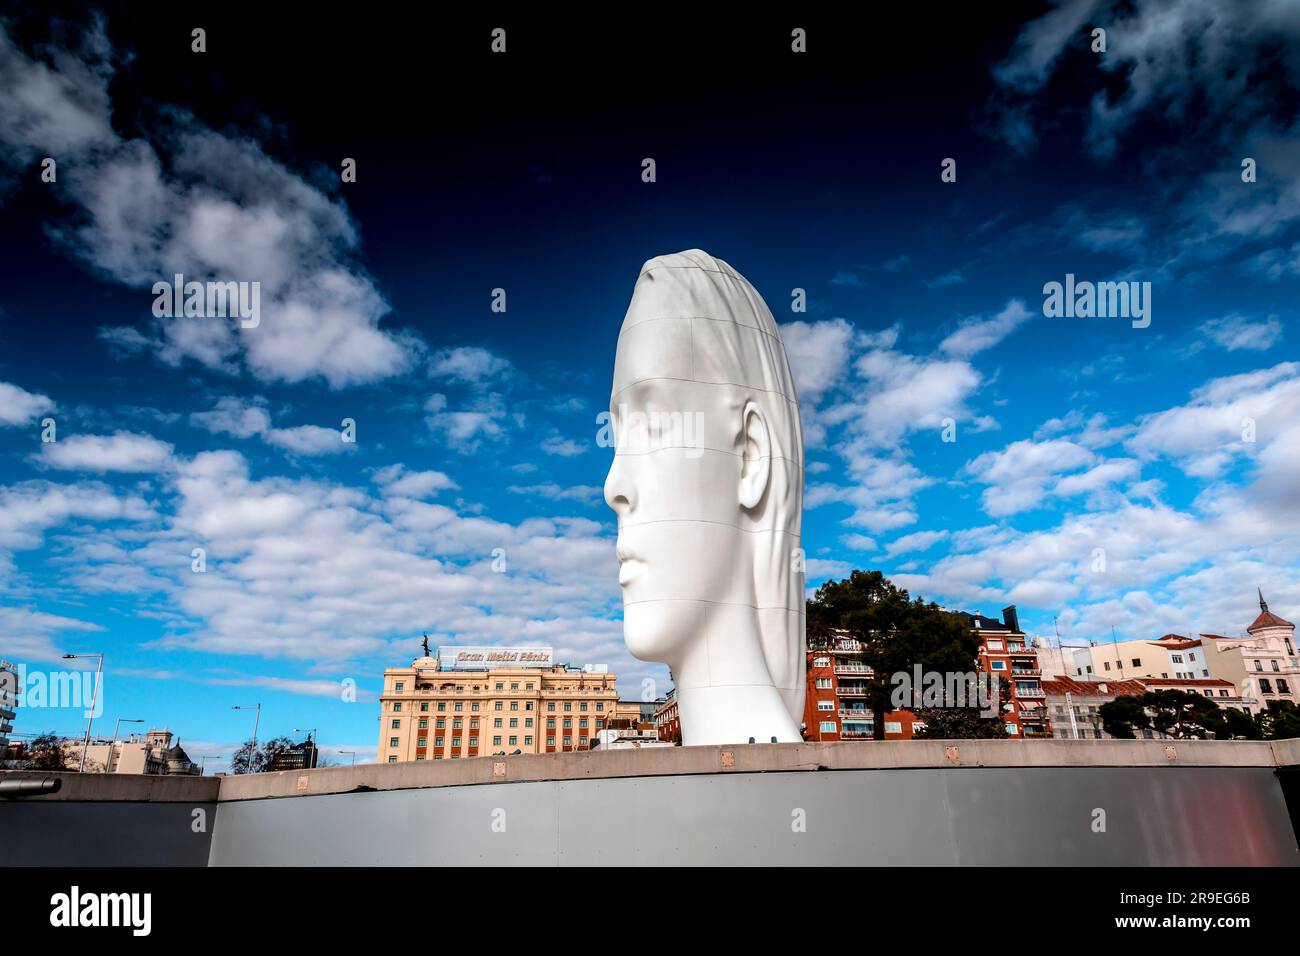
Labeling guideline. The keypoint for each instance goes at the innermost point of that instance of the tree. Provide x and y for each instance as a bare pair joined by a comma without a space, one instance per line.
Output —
261,758
1183,715
45,753
1239,725
896,633
1279,721
1120,717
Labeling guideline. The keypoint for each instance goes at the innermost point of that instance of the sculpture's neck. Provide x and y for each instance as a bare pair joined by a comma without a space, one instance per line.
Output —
733,714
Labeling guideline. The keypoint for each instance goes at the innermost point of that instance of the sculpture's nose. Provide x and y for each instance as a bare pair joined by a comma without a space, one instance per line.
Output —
620,493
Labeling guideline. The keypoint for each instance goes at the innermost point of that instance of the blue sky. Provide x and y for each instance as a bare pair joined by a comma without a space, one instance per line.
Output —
476,430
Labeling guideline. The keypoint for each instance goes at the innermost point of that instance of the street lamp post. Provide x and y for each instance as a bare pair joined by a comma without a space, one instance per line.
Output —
94,698
353,753
256,720
113,746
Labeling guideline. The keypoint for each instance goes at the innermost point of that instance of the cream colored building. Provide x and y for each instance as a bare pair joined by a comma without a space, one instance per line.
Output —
468,702
1172,657
1263,665
151,753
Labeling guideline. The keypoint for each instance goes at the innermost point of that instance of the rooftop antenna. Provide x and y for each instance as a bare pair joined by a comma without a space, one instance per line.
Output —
1118,660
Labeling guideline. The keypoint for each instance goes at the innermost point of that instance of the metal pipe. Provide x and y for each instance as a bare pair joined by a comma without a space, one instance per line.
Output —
29,788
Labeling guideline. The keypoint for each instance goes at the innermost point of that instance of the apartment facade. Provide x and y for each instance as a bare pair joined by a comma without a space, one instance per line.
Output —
668,719
470,701
835,706
1263,665
1075,704
8,701
151,753
1172,657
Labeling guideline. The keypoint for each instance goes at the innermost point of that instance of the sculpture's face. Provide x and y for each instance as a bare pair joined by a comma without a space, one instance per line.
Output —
680,549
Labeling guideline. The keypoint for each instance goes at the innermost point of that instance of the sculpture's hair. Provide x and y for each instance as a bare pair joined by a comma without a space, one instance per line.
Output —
741,345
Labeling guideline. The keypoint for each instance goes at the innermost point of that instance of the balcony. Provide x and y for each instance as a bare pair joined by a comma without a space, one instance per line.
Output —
1023,692
855,715
1022,650
850,669
849,691
1036,715
1027,672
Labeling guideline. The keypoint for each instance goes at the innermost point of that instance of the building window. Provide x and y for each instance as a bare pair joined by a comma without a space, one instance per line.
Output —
828,726
1223,693
599,723
825,705
514,721
496,721
422,742
392,760
1265,686
392,741
893,727
1274,663
528,687
500,686
550,741
397,704
459,705
419,756
821,662
496,741
1137,662
499,706
1106,664
455,724
568,722
550,723
824,683
568,705
550,706
455,742
399,686
424,708
528,721
424,722
1191,655
514,705
995,644
473,724
397,724
513,740
438,741
1176,658
1282,686
442,707
440,723
473,741
600,705
997,665
582,724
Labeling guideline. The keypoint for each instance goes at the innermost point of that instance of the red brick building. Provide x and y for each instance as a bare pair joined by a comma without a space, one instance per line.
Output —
836,704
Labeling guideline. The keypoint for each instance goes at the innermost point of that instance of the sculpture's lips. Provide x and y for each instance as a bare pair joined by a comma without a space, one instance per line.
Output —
629,565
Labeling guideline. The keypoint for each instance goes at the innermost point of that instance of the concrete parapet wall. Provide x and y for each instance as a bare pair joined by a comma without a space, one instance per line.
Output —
1165,803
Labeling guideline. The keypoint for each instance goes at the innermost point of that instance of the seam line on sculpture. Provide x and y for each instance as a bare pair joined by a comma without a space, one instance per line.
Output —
707,318
752,607
724,524
691,381
719,451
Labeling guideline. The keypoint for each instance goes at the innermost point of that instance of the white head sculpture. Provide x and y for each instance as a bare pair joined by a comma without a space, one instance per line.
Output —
707,482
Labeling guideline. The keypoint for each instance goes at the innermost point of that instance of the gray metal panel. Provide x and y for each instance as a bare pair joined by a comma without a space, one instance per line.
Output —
34,832
1173,816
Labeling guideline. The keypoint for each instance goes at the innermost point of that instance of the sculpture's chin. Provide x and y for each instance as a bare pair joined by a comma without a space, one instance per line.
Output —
650,632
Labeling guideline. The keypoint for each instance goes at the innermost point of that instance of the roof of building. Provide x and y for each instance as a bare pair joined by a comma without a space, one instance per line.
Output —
1059,686
1185,682
1268,619
1176,642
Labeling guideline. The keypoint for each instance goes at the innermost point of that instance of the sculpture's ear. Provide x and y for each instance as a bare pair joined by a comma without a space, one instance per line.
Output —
756,462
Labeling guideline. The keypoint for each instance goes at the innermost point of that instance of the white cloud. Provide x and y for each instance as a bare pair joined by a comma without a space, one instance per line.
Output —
213,205
564,447
917,541
121,451
249,419
977,335
397,482
21,407
464,430
467,365
1235,332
